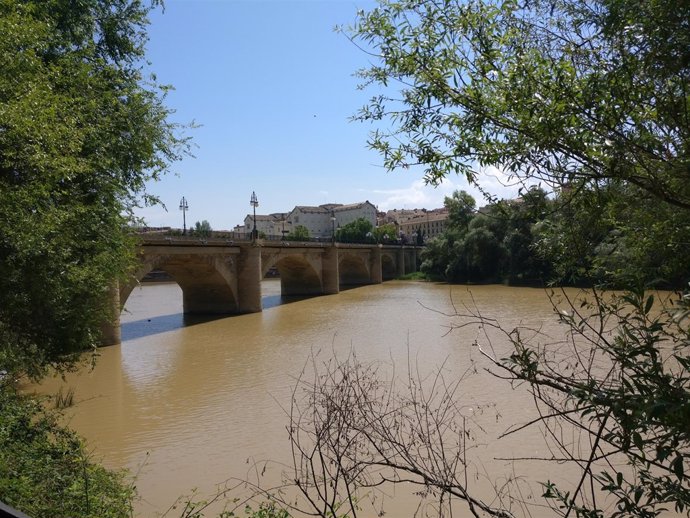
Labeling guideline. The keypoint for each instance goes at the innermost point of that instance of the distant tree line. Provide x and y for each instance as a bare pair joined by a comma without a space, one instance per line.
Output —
612,234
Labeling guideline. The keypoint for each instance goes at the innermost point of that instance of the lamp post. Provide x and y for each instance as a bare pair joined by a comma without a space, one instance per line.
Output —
254,203
184,207
333,223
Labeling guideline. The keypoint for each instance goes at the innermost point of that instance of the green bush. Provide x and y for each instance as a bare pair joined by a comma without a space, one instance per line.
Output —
45,469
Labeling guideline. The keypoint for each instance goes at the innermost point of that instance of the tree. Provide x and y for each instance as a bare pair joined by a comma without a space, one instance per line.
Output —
46,470
496,245
461,207
81,132
202,229
568,92
385,233
299,233
358,231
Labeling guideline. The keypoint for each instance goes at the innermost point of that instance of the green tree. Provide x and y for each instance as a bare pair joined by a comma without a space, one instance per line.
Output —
461,208
202,229
46,470
596,92
81,131
385,233
437,256
480,254
358,231
299,233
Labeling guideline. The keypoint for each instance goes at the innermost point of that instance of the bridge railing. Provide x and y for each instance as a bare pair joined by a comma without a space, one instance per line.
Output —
231,237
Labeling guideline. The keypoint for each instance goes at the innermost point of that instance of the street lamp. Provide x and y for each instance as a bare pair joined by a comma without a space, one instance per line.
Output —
184,207
333,223
254,203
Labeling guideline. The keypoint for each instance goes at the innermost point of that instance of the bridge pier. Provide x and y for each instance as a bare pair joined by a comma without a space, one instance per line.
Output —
249,280
411,260
400,262
330,272
110,328
375,265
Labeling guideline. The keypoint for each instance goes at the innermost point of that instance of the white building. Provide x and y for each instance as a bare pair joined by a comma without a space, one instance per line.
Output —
345,214
428,225
325,219
270,225
410,222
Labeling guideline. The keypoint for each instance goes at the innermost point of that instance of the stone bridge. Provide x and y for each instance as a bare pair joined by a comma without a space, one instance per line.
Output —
219,276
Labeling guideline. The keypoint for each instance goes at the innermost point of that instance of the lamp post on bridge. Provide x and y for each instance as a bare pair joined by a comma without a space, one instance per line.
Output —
184,207
254,203
333,223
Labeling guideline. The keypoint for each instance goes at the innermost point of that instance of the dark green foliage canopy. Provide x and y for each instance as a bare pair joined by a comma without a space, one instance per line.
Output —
46,471
568,92
201,229
81,131
300,232
358,231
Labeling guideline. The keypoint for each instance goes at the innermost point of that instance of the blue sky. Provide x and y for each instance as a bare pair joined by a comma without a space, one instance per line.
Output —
271,85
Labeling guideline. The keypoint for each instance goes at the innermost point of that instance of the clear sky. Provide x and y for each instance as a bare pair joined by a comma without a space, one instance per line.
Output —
271,85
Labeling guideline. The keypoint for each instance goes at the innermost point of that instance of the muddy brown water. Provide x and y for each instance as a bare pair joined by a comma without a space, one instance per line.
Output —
187,404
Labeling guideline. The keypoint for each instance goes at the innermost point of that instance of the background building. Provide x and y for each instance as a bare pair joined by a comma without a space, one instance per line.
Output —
322,221
267,225
410,222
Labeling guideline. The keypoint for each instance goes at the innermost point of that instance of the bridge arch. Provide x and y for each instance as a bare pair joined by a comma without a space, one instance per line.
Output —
300,274
208,284
354,269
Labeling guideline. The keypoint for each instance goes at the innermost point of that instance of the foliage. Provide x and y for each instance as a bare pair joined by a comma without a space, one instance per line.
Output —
461,207
385,233
497,244
414,276
81,131
46,471
201,229
358,231
300,232
192,507
566,92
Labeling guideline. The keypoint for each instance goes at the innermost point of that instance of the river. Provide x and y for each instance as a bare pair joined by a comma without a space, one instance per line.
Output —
189,404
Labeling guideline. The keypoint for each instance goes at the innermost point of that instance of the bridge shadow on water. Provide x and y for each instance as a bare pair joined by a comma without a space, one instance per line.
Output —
163,323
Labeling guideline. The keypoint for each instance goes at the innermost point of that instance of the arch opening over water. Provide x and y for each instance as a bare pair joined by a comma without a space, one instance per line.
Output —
207,289
353,270
298,276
